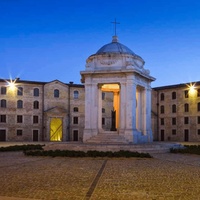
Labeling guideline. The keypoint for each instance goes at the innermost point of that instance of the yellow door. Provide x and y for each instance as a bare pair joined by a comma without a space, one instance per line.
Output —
56,129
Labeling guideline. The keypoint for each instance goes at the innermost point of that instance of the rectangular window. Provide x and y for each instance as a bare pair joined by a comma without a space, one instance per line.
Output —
103,121
3,118
35,119
3,103
103,95
35,135
162,121
162,109
198,131
186,92
3,90
19,132
75,135
198,93
198,119
19,118
186,120
173,131
173,121
75,120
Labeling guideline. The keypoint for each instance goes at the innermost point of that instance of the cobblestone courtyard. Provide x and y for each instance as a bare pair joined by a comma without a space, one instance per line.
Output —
166,176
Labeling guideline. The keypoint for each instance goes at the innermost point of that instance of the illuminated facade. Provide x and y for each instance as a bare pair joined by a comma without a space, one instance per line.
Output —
45,111
176,112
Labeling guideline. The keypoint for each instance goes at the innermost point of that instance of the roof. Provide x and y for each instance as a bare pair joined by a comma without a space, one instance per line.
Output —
177,85
115,47
71,84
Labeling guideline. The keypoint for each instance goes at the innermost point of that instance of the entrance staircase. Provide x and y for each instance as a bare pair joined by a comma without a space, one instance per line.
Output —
108,137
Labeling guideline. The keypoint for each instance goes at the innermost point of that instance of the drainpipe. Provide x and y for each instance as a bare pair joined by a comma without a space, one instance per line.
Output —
43,112
69,110
158,115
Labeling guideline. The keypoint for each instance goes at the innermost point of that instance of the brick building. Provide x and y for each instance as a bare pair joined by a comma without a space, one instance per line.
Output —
176,112
45,111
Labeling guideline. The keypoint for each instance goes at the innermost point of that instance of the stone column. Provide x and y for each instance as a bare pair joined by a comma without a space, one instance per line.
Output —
147,114
122,114
139,110
131,106
91,110
99,109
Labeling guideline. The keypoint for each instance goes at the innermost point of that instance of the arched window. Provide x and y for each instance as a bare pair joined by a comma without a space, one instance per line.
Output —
75,109
162,97
20,91
19,104
36,92
186,107
186,92
56,93
173,95
3,103
174,108
103,110
162,109
36,105
76,94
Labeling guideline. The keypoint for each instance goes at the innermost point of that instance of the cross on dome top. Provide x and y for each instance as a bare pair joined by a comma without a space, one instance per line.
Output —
115,25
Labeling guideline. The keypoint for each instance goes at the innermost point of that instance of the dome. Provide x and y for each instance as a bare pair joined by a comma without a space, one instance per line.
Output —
114,47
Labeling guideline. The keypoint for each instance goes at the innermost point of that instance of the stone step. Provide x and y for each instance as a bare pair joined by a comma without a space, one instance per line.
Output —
155,147
108,138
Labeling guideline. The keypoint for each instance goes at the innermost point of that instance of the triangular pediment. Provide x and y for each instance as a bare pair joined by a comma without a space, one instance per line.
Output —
56,110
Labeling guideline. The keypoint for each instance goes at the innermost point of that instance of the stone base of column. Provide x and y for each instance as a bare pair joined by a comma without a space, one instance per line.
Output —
88,133
136,137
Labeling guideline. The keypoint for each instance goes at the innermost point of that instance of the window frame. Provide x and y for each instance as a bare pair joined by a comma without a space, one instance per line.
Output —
2,118
36,92
186,107
162,96
20,91
19,132
3,90
75,120
19,119
36,104
174,108
186,120
76,94
19,104
35,119
162,109
173,120
3,103
75,109
174,95
56,93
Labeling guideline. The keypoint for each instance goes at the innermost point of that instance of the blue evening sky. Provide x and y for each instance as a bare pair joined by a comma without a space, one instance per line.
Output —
44,40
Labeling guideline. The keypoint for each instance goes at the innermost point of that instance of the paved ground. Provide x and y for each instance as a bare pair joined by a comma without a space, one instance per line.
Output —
166,176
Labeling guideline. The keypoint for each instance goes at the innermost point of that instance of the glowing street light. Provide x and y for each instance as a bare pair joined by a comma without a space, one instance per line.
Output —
12,84
192,89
